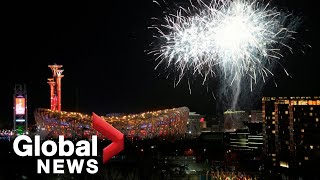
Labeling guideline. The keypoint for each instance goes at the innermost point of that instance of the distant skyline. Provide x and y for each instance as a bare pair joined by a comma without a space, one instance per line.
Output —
102,48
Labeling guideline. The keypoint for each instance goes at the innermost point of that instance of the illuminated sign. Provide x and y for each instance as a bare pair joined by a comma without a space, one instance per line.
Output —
20,106
20,120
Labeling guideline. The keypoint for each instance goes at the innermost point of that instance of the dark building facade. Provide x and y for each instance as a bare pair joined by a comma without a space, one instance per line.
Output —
234,120
194,124
291,130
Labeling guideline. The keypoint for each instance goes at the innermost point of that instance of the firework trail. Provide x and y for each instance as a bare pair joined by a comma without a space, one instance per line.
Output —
237,40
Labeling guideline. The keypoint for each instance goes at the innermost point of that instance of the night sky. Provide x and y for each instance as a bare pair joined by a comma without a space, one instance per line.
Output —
102,48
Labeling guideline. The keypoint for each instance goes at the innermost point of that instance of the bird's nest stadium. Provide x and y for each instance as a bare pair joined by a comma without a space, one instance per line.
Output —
146,125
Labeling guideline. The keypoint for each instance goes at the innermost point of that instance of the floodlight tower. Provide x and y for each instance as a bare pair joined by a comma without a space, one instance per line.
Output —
55,86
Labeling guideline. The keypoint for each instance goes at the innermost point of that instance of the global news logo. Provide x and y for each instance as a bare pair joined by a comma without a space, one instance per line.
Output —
82,149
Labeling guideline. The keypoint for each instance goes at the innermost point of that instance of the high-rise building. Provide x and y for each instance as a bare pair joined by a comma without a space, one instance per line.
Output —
291,129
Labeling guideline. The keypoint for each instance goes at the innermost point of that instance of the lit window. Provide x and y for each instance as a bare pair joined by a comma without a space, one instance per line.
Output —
306,158
317,119
273,131
302,130
274,155
286,112
311,108
284,164
273,122
311,147
273,113
310,114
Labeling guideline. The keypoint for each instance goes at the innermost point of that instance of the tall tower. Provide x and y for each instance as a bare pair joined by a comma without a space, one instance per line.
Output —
55,87
20,110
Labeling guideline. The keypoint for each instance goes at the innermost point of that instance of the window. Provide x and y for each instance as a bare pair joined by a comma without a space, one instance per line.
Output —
286,112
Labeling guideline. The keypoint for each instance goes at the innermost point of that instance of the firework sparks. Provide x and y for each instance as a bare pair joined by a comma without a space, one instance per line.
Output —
238,38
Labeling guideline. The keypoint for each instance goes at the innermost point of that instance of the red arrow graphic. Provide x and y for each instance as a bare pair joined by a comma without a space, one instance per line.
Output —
111,133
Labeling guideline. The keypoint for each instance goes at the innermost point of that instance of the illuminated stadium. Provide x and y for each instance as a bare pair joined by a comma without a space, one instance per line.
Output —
54,122
167,122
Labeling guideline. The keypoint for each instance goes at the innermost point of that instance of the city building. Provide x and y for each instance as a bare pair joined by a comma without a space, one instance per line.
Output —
243,149
195,124
234,120
243,140
239,140
291,129
255,122
255,116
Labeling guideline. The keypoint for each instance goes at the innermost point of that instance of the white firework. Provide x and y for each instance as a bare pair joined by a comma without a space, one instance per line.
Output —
239,38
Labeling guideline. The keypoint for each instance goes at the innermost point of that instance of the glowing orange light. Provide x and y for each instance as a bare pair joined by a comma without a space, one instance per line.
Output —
20,106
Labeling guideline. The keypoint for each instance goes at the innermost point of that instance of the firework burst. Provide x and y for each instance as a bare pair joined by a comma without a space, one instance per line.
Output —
237,39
